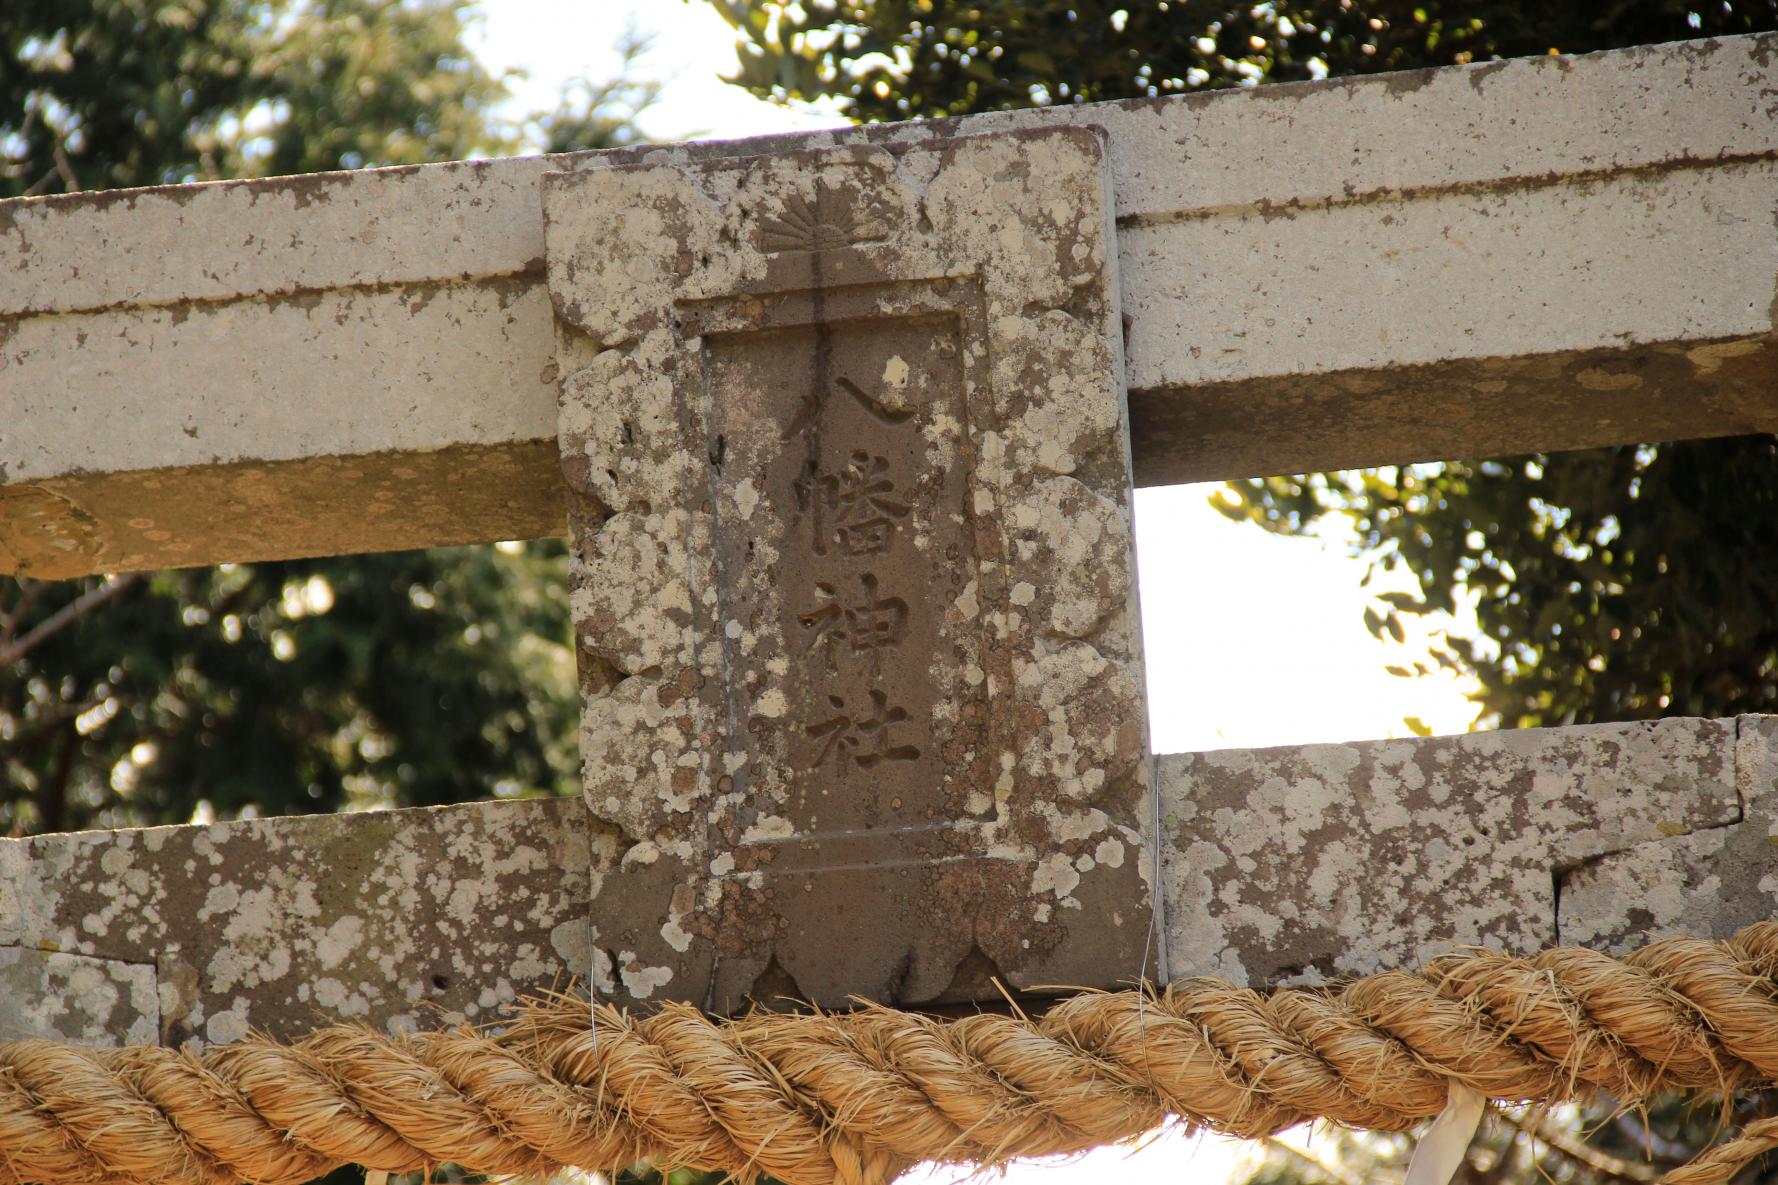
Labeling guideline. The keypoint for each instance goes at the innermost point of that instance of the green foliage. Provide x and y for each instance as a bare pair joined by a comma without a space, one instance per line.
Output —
600,114
1615,584
644,1173
900,59
411,678
402,679
103,94
363,82
98,94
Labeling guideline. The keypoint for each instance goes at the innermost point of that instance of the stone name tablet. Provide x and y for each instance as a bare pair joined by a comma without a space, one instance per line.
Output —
852,577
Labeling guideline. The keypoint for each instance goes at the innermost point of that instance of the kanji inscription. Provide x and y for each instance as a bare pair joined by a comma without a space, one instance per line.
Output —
852,575
841,542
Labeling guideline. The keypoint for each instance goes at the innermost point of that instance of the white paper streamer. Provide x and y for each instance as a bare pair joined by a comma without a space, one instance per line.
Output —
1441,1149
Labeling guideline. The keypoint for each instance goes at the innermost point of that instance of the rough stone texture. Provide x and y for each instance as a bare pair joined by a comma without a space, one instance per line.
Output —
191,383
1410,279
169,517
397,919
1248,218
1470,408
1279,865
852,573
1297,864
62,997
1708,884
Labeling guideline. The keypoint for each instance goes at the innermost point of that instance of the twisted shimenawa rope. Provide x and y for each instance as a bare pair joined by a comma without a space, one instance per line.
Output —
855,1098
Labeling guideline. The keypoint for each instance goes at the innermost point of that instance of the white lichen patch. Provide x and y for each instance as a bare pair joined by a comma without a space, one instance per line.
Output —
1009,371
285,923
1332,860
641,981
64,997
1055,874
746,498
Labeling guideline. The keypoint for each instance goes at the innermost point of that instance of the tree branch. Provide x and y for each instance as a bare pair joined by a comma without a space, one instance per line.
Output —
11,619
85,603
1672,1152
1337,1175
1580,1151
49,721
41,185
228,603
52,791
65,169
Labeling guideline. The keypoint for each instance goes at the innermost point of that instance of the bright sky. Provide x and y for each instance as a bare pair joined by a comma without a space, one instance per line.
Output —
557,41
1251,639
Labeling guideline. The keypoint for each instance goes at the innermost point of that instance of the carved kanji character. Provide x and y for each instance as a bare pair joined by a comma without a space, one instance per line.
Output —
864,627
828,621
855,507
863,741
863,506
877,729
835,735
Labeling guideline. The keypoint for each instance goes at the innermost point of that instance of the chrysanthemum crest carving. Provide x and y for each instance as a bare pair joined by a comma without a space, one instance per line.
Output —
832,220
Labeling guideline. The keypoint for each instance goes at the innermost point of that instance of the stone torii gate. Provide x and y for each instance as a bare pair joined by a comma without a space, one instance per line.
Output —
848,424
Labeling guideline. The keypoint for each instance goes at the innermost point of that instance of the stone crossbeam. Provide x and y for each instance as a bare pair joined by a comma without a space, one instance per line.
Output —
1543,254
1279,865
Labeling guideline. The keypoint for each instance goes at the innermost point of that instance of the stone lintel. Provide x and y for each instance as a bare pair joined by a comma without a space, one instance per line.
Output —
1707,884
1592,262
1599,835
398,919
1303,864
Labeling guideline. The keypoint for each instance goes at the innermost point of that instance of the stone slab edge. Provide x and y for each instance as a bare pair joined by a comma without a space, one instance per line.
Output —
225,923
400,919
1520,121
1304,864
1707,884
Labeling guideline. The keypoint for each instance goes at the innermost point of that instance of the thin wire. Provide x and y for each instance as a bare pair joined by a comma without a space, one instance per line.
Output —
592,984
1156,938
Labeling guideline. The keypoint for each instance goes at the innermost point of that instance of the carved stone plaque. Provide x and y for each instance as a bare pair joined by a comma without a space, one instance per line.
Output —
853,583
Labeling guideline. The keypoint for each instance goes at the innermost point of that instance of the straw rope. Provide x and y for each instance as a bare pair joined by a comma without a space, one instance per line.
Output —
852,1099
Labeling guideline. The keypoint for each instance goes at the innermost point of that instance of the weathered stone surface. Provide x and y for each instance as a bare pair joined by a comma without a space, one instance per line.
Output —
1563,179
852,571
398,919
1475,407
1296,864
1471,273
62,997
1707,884
182,388
1279,865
